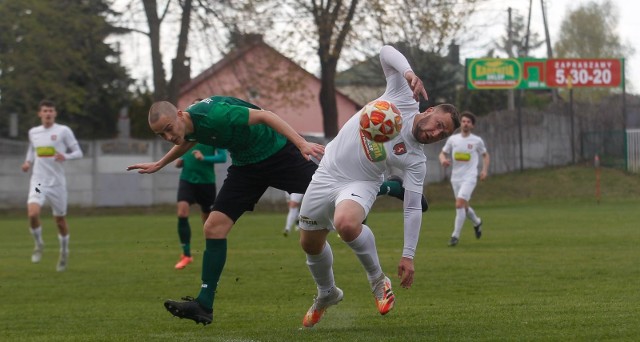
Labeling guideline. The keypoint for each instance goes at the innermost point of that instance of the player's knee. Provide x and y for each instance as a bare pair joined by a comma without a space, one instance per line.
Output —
217,226
33,211
311,244
348,229
183,209
346,223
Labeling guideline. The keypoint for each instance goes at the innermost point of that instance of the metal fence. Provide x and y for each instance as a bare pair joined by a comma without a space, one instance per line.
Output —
633,150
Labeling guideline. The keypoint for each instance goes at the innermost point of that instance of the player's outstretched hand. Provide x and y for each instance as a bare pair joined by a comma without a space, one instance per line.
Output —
416,86
309,149
144,167
405,272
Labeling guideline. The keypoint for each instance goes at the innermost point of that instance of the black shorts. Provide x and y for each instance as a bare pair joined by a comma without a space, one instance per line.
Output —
203,194
286,170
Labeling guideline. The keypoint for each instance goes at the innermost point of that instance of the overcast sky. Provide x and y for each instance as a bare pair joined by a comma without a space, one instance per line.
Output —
628,28
492,14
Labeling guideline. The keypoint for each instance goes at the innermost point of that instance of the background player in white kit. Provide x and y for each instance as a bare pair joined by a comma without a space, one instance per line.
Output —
293,202
348,178
50,144
465,149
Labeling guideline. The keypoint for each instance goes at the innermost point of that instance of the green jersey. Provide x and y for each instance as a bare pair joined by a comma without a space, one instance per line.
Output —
201,171
223,122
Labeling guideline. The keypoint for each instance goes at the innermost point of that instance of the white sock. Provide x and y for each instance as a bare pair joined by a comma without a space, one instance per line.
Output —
459,221
365,248
64,242
37,235
471,215
291,217
321,267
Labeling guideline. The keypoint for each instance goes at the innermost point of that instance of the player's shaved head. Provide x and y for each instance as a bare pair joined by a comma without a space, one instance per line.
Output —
160,109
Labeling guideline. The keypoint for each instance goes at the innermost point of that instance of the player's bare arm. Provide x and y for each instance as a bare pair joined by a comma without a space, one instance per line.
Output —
274,121
176,152
485,166
444,161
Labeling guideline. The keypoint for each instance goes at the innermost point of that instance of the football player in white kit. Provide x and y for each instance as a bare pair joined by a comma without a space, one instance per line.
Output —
464,150
50,144
293,202
345,185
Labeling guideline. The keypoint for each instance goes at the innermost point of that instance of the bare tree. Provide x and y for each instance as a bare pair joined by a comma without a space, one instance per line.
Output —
301,27
164,90
333,21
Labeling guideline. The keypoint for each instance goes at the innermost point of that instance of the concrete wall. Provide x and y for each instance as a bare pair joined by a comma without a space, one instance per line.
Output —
100,178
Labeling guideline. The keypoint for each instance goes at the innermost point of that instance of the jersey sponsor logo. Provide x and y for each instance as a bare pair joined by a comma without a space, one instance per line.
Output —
462,156
374,151
399,149
45,151
308,221
204,286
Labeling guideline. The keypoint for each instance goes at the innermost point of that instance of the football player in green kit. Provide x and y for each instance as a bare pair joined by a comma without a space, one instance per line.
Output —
265,151
197,185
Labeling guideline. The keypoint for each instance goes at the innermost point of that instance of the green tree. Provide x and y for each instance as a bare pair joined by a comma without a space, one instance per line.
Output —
589,31
138,114
56,50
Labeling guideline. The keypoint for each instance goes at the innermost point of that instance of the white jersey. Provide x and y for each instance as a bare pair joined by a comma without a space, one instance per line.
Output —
465,153
368,160
44,143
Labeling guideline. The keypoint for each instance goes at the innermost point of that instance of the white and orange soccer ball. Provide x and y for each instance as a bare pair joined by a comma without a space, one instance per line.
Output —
380,121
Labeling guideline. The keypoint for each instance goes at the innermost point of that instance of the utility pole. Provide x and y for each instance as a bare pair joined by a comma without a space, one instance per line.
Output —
526,41
554,92
510,92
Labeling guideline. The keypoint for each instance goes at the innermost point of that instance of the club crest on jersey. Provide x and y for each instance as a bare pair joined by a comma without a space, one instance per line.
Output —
54,137
470,146
399,149
374,151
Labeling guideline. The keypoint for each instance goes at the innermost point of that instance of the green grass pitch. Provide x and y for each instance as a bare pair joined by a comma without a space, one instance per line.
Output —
562,270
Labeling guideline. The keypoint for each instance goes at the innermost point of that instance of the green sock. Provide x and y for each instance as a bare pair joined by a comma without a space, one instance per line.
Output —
384,189
184,232
215,255
392,188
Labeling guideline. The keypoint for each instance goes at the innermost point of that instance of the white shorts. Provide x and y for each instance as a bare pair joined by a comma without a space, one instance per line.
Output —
463,189
56,196
323,195
294,197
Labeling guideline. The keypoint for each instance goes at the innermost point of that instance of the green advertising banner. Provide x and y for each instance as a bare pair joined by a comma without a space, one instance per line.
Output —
541,73
505,73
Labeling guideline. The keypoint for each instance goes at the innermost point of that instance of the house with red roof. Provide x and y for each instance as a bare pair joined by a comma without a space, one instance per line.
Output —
257,73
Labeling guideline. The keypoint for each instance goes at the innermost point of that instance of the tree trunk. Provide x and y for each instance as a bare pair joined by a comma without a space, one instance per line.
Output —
330,45
328,101
159,79
181,70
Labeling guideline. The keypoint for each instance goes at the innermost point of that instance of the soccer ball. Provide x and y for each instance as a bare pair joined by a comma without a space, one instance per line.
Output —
380,121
